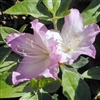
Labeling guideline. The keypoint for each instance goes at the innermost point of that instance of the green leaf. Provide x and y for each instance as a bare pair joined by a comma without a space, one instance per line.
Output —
63,9
6,30
55,97
29,96
4,49
23,28
42,95
74,88
30,7
93,73
5,57
82,61
43,81
39,95
63,14
57,9
92,13
34,84
50,85
52,5
10,63
7,91
1,40
3,76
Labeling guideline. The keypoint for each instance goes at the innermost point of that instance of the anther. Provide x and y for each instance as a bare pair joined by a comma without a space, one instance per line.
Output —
20,52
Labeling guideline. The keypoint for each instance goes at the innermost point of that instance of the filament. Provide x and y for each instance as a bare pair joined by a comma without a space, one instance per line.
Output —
35,45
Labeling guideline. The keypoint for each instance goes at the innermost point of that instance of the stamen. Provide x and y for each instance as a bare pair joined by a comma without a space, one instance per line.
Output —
20,52
28,54
24,62
34,44
40,52
38,60
23,53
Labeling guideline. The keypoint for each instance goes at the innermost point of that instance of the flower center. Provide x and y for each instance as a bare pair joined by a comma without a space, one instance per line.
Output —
71,44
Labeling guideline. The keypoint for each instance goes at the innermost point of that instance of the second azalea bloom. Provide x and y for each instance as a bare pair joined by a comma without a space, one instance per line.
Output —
38,52
75,38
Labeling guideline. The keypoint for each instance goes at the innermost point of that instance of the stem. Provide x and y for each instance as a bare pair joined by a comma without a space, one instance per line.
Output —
55,24
4,58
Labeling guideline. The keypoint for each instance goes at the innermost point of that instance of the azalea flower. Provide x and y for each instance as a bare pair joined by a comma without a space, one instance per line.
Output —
75,38
38,52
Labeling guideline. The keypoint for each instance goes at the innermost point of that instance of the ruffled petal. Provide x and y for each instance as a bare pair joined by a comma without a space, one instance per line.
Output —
86,45
20,43
53,37
90,32
35,68
53,34
89,51
38,26
39,31
48,38
73,25
51,71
